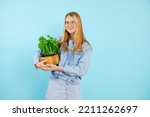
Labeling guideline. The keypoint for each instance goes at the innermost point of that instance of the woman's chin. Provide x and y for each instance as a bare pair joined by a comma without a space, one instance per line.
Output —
71,31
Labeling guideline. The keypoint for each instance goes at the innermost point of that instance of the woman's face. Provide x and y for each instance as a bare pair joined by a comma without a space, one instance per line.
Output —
70,25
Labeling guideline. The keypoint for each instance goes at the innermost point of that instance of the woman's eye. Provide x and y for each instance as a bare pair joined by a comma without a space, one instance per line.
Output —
72,22
67,22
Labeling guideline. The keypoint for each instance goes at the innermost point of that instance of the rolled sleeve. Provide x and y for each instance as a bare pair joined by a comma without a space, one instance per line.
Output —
37,56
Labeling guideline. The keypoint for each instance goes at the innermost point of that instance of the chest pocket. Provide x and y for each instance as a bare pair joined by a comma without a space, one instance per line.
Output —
76,57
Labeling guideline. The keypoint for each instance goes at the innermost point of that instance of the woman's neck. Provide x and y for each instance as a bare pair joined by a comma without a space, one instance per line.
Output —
72,35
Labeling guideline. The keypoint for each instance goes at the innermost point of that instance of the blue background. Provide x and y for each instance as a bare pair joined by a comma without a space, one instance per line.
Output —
118,30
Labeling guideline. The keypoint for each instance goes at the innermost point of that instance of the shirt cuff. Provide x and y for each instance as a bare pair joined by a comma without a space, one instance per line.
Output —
66,69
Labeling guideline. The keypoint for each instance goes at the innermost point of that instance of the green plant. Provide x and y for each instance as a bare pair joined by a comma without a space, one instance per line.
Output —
49,46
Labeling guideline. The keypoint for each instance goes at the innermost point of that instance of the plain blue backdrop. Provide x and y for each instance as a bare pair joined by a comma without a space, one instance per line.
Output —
118,30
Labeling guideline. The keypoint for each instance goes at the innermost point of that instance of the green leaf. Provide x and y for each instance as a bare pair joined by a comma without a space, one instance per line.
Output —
48,46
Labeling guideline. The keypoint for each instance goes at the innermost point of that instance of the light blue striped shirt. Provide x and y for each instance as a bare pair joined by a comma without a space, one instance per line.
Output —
75,65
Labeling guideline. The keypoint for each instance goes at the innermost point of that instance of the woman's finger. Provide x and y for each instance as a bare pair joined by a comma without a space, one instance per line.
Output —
44,61
49,65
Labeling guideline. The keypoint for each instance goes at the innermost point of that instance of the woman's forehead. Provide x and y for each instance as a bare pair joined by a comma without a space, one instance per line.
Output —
69,18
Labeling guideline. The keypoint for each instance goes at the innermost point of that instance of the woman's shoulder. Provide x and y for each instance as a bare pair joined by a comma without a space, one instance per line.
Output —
86,46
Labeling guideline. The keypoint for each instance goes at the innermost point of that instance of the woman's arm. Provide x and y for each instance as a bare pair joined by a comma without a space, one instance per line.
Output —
75,70
81,68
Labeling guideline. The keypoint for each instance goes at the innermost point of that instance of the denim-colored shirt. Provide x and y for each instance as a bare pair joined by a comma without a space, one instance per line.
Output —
75,64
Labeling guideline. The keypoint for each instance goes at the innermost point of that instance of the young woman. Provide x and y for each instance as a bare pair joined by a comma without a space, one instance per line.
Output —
74,61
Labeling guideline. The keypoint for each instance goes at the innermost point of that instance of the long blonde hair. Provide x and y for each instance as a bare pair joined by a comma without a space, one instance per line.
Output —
79,37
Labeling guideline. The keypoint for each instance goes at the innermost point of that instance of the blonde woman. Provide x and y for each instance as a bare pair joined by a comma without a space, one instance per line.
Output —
64,83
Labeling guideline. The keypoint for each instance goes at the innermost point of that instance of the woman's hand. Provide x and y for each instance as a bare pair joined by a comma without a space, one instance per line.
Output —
52,67
41,64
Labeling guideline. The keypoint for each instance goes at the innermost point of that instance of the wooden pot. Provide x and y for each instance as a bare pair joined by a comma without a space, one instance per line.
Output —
54,59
